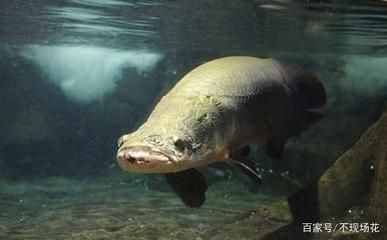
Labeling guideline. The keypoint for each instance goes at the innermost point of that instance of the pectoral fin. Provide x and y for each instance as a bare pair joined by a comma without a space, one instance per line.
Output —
190,185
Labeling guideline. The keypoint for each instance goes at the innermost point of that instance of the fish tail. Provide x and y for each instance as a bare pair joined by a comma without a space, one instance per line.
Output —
308,94
309,91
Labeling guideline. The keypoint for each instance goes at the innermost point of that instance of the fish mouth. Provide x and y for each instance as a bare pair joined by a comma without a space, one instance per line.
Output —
144,159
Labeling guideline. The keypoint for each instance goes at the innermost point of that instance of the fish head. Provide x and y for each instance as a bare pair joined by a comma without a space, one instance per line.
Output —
154,153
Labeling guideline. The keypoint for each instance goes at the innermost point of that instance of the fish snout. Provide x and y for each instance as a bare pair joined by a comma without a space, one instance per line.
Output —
125,156
143,159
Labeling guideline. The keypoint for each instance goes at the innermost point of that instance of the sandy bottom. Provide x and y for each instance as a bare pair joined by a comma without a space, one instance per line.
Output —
123,208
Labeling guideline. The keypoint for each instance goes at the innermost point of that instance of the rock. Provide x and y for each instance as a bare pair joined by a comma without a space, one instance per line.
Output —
359,177
353,189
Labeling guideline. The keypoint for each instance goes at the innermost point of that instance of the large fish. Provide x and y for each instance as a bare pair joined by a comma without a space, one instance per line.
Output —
215,109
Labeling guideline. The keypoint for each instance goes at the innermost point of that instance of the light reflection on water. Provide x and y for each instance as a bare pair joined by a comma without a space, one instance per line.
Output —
131,28
309,26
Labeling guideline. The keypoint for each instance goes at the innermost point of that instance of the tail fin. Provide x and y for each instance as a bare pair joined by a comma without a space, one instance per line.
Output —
309,95
309,91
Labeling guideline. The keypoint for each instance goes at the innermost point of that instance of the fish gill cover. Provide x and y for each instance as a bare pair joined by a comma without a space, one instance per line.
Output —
86,73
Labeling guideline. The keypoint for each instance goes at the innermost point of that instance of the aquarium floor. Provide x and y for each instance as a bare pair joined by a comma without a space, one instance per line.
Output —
122,208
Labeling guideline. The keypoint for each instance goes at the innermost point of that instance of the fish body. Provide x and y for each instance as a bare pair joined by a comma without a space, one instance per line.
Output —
219,107
216,108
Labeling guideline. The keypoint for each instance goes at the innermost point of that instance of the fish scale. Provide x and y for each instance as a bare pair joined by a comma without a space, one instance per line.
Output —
218,107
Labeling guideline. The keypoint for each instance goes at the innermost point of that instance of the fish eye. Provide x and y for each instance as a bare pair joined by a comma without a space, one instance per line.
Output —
179,144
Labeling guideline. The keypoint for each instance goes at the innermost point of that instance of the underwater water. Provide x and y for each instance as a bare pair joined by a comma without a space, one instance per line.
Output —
76,75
